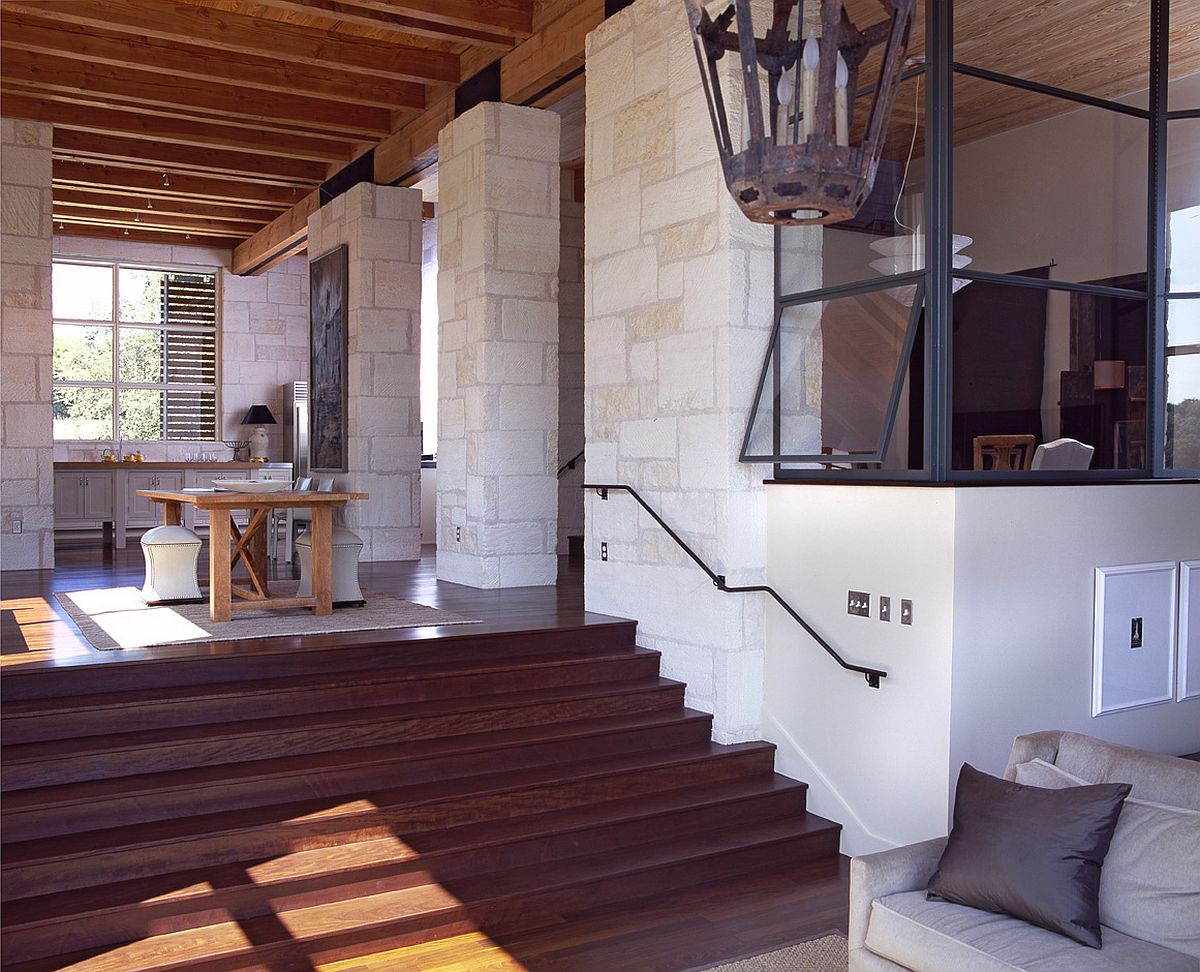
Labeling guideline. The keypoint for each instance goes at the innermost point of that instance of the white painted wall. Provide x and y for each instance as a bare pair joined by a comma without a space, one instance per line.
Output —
1024,570
876,760
1002,582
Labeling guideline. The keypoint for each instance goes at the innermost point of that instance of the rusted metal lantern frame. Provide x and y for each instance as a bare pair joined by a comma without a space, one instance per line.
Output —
809,178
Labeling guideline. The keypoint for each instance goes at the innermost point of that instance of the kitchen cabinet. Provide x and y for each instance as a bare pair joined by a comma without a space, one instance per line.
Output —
83,496
139,511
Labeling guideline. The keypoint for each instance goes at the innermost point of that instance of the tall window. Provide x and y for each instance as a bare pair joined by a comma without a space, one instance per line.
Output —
135,352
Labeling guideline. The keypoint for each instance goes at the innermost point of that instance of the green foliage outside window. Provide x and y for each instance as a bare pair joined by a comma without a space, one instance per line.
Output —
91,402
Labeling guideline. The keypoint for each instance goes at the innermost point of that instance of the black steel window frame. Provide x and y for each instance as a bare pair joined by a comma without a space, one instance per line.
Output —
940,70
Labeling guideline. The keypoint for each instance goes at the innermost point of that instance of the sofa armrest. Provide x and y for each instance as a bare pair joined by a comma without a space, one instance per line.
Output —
1035,745
906,868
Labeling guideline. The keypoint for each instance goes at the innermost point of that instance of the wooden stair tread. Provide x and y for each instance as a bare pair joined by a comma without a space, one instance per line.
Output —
374,759
299,814
74,748
336,652
427,903
24,708
365,859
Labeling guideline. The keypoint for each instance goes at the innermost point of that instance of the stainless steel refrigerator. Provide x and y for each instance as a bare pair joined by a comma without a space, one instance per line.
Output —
295,426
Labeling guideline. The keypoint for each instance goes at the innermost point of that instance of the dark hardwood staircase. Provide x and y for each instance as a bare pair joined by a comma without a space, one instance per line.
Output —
280,809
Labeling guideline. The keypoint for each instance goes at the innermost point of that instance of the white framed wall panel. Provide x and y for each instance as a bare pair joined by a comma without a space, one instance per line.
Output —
1188,686
1125,675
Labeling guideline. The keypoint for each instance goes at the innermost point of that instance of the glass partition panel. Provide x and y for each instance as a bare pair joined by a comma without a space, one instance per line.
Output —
1183,205
83,413
83,352
1039,181
81,293
887,235
1054,43
1182,446
1183,68
141,413
831,386
1033,366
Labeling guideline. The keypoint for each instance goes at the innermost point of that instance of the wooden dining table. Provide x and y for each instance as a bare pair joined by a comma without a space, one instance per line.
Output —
249,544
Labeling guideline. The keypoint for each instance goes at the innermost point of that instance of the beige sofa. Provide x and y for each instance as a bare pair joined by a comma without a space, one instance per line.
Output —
1150,884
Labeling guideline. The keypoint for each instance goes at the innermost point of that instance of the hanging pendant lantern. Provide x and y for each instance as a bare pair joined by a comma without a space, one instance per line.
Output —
799,160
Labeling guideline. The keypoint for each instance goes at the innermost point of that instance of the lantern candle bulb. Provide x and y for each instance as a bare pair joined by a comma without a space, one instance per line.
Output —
784,91
841,111
811,59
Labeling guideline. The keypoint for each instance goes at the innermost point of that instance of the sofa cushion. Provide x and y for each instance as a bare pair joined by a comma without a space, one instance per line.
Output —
1030,852
937,936
1153,776
1150,883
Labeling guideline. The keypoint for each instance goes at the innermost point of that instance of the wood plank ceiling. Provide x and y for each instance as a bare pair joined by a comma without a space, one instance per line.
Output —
201,121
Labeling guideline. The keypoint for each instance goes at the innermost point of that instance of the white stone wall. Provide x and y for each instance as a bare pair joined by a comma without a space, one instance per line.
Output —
381,225
570,372
26,456
678,290
264,338
498,256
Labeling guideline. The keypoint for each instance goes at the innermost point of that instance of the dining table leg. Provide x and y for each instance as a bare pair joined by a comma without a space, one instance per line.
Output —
172,514
220,530
322,559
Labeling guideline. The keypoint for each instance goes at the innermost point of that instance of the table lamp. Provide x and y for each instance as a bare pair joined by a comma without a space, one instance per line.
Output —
259,416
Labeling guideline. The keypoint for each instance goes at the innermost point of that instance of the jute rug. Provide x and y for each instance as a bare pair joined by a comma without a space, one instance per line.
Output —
827,953
115,618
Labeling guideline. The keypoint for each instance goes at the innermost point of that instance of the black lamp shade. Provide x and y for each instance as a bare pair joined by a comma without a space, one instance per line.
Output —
258,415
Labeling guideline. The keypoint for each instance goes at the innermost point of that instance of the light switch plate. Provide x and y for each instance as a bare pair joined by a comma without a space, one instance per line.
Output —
858,603
906,611
885,608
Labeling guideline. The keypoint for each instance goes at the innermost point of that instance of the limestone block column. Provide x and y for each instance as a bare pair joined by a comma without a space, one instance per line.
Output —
498,256
381,226
679,300
26,346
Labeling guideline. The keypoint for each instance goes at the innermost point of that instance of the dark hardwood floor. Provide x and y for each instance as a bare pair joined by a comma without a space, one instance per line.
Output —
528,794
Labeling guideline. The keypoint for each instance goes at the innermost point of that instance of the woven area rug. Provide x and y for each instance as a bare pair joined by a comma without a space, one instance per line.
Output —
115,618
826,953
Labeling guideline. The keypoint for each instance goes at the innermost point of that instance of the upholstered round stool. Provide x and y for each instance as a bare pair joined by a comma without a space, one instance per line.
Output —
346,550
171,553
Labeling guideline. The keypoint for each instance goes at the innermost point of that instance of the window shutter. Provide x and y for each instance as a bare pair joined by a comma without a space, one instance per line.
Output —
190,299
191,414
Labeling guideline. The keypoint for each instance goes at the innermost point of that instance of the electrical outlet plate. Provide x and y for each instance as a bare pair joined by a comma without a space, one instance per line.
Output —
858,603
603,551
17,525
885,608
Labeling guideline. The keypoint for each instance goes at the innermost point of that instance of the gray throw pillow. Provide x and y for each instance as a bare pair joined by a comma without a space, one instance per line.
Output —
1030,852
1150,884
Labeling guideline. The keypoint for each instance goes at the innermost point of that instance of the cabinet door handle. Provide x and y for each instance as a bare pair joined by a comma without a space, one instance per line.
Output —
80,480
86,481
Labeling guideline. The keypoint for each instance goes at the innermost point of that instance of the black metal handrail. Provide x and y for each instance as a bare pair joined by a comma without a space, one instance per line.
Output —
570,463
872,675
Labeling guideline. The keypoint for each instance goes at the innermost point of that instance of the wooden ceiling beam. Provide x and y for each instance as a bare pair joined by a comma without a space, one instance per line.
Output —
219,30
175,131
512,18
183,60
190,158
173,95
135,205
343,15
278,240
116,177
173,237
197,227
539,62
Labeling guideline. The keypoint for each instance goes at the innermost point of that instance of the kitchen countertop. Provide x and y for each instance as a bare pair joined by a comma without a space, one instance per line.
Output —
162,464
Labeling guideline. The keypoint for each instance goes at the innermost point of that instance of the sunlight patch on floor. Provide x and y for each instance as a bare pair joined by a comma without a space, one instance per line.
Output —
33,631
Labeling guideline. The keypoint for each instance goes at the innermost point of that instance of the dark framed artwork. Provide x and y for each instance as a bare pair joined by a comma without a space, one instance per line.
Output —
328,407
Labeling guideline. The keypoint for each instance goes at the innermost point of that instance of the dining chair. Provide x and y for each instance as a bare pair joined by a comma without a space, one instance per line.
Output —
301,516
1063,454
302,485
1003,452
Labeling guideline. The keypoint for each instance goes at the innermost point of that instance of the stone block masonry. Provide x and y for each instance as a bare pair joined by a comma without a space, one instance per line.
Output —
678,311
498,356
26,346
381,225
